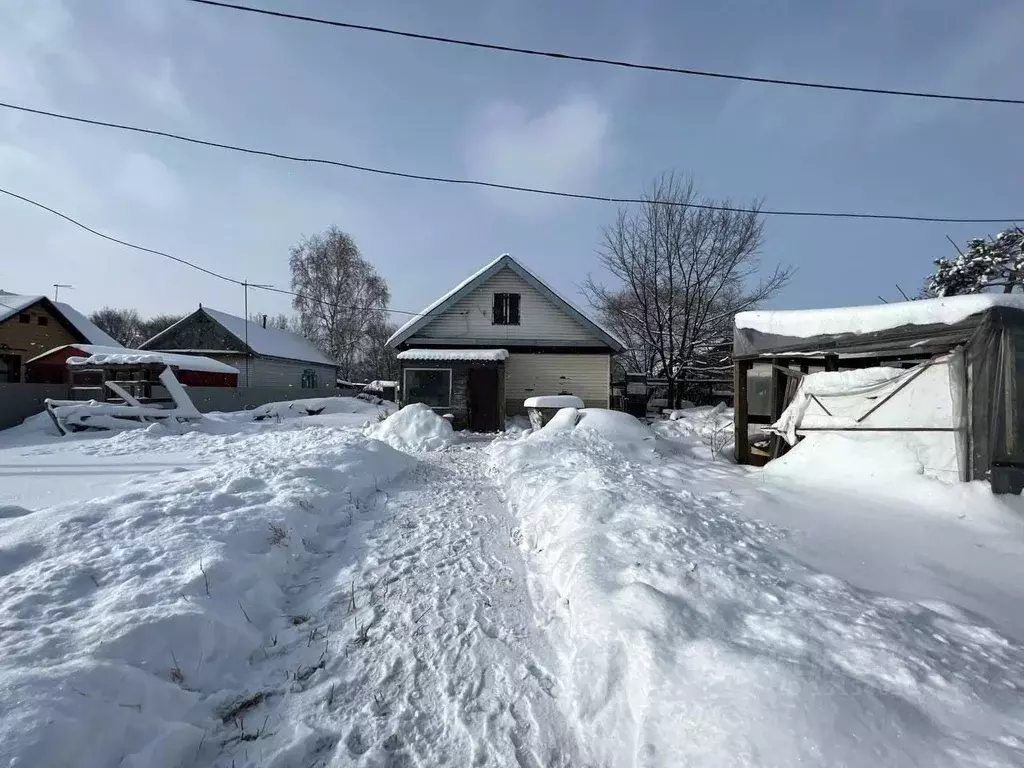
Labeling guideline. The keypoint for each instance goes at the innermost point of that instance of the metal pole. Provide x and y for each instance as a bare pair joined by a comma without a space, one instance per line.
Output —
245,287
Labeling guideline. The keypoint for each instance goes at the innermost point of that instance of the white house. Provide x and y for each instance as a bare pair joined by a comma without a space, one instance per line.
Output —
497,338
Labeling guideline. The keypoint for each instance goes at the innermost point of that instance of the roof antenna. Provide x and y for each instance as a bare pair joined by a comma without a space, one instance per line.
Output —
57,287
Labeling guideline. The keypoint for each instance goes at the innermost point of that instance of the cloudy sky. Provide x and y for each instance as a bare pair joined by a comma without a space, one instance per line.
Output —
434,109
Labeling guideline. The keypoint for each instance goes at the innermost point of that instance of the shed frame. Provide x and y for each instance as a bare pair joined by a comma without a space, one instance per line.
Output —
992,389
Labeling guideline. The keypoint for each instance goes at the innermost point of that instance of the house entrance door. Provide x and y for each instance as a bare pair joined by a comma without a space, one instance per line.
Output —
482,399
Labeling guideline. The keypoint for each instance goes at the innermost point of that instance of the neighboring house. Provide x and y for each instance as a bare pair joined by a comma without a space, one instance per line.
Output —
264,357
497,338
52,367
31,325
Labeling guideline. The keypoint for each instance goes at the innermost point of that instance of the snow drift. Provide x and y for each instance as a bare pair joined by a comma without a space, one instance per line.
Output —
415,428
691,638
130,621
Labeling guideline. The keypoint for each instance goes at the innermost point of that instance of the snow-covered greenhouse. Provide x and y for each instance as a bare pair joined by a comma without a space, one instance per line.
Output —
942,378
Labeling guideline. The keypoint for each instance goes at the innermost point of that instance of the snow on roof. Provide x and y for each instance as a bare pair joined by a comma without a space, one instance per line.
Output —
492,267
13,303
122,356
272,342
454,354
806,323
86,327
378,385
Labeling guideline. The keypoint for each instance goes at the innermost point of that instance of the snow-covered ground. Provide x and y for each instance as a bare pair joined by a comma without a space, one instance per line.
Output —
322,587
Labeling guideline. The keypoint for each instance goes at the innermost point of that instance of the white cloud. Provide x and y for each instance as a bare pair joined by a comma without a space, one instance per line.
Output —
159,87
564,148
145,179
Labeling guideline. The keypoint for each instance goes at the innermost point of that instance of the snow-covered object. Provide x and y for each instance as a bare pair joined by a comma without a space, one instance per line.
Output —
416,427
11,304
136,616
553,401
993,263
806,323
485,355
690,635
921,398
327,410
379,386
621,430
140,357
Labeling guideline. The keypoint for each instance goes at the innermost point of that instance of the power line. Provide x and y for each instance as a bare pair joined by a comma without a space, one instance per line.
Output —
243,283
495,185
609,62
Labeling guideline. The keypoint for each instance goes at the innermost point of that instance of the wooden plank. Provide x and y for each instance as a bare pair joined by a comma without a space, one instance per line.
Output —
741,416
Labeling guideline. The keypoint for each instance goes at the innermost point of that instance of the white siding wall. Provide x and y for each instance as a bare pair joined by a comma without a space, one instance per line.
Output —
540,319
586,376
265,372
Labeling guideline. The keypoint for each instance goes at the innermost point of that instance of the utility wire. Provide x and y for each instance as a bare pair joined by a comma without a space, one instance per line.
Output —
495,185
193,265
608,62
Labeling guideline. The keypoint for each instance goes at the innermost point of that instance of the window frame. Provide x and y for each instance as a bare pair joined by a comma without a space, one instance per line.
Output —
24,318
42,320
507,304
405,385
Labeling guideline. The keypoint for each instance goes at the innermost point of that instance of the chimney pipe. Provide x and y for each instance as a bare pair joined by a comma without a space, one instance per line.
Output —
264,321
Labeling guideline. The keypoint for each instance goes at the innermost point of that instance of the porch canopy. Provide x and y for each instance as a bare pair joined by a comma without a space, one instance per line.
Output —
462,355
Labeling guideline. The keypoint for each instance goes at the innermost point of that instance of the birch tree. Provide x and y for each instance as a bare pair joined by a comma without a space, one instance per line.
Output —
341,296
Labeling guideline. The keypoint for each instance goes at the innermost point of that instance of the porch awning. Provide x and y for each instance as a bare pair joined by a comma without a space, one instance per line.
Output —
486,355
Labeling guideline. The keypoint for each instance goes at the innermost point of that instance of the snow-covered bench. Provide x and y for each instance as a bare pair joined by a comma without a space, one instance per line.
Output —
541,409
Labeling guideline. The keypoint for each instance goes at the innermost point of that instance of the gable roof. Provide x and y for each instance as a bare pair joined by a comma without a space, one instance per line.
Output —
474,281
269,342
13,303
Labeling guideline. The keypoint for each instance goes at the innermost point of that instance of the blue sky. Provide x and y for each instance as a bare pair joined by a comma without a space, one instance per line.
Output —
449,111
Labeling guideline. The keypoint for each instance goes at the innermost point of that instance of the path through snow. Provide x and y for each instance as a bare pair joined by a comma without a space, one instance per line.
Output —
440,662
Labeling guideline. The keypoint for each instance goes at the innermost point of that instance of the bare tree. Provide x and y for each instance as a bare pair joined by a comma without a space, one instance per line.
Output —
379,362
122,325
341,296
157,324
279,322
682,272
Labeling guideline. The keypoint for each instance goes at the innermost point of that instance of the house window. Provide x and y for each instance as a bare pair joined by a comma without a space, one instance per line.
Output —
24,319
430,386
309,379
506,309
43,320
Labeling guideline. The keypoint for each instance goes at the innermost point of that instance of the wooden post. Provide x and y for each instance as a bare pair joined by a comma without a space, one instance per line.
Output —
740,415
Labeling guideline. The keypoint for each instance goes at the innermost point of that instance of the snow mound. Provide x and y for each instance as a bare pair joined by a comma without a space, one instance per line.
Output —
317,406
623,431
690,637
415,428
854,459
553,401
